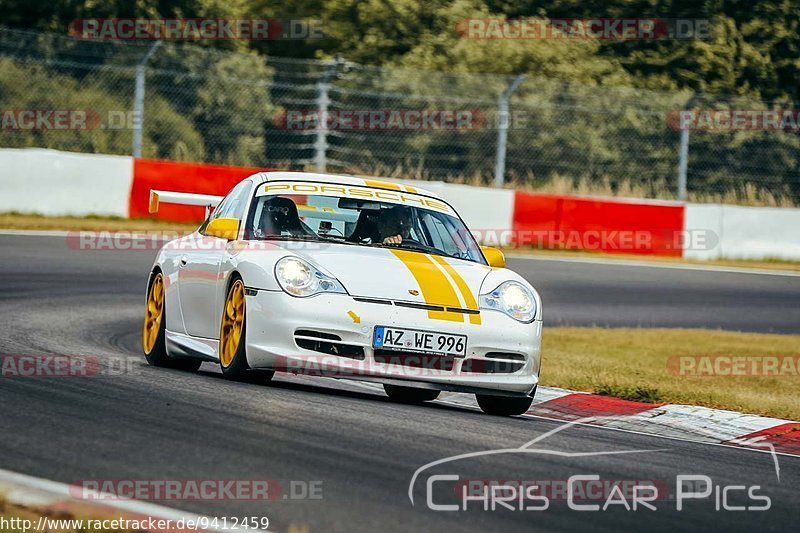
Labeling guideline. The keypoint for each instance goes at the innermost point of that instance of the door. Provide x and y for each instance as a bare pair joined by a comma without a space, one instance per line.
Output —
199,276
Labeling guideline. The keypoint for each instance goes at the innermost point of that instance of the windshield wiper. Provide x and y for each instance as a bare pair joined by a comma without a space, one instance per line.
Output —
411,247
419,248
301,237
425,249
335,239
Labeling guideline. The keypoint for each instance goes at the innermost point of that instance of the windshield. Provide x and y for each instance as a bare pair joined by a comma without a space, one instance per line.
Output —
406,224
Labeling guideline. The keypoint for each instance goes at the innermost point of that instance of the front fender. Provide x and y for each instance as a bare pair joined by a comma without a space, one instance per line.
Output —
255,264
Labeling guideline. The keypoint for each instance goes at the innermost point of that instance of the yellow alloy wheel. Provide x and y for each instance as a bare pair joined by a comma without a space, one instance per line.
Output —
232,324
154,313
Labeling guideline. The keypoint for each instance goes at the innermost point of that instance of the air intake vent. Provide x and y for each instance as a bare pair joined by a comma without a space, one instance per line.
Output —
329,348
317,334
482,366
327,343
505,355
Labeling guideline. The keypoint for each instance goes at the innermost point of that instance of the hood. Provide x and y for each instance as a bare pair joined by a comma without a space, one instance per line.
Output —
397,274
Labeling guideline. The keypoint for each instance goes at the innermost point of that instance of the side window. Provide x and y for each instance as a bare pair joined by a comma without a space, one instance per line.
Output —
448,237
441,236
233,205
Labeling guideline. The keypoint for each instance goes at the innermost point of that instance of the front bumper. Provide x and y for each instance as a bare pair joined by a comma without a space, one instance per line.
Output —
273,317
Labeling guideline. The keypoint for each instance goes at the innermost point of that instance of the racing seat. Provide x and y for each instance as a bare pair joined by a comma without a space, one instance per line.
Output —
366,228
279,216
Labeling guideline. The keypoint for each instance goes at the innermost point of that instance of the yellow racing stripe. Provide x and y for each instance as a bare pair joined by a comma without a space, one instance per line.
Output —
435,287
469,299
379,184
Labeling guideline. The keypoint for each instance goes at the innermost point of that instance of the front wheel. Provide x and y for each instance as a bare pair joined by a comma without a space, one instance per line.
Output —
154,330
410,395
232,342
504,405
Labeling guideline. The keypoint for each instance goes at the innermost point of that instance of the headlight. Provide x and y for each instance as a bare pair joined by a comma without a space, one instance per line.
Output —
513,299
299,278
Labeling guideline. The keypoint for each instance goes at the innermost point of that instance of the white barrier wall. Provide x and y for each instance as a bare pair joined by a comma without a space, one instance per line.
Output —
481,208
50,182
743,232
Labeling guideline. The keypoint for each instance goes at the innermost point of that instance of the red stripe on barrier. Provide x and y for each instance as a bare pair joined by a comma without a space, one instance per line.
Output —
540,220
785,438
594,224
539,214
576,406
180,177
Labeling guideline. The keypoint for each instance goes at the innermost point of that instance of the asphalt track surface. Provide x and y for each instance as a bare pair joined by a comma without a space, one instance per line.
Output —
156,424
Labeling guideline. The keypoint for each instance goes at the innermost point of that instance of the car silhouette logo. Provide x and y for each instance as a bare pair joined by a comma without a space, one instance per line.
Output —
413,292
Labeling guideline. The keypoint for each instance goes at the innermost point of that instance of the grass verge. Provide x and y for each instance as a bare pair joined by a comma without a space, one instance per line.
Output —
758,264
88,223
643,365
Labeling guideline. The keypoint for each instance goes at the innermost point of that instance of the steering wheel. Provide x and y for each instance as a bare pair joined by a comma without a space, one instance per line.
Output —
404,241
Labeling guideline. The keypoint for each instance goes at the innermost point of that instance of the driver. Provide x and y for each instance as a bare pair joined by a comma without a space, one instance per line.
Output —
394,225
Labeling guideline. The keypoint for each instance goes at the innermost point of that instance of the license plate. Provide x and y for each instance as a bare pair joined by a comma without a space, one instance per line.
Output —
419,341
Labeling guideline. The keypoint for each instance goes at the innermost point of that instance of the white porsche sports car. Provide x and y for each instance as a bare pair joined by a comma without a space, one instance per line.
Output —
343,277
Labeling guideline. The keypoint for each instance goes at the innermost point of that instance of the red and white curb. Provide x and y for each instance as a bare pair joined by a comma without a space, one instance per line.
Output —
682,422
52,498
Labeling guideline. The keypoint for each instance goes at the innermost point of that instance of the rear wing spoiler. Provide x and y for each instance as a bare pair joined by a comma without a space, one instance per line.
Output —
182,198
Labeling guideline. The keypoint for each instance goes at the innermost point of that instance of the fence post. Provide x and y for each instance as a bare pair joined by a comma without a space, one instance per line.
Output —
502,130
683,163
321,141
138,100
683,152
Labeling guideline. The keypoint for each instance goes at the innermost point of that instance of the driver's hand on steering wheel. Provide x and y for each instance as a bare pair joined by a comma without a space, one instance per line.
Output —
394,239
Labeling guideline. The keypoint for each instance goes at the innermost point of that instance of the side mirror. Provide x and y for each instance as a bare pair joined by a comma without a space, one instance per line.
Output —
494,256
224,228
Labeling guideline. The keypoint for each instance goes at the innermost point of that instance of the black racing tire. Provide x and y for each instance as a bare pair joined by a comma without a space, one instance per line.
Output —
410,395
504,405
155,350
237,368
